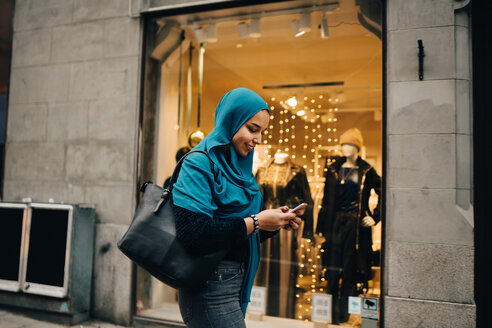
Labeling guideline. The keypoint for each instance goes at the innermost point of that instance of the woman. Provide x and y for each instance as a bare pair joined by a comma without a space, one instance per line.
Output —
220,209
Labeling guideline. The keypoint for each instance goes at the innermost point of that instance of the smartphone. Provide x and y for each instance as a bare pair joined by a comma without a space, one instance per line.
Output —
298,207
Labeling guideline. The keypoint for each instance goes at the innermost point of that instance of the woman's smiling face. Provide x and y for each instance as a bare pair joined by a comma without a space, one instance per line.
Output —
249,135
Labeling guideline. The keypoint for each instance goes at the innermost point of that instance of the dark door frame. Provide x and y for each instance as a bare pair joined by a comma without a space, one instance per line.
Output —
482,118
7,24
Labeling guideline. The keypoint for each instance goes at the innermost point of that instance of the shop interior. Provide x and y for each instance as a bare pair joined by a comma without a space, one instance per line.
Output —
318,65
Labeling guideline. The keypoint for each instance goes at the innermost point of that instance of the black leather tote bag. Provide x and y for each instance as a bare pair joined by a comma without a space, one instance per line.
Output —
152,244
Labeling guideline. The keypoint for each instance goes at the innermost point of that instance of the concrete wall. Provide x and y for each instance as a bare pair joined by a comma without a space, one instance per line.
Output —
73,120
429,224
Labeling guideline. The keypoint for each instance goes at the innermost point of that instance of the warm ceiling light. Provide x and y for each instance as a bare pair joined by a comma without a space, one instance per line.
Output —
211,33
243,29
292,102
325,33
300,112
254,28
305,22
199,34
295,28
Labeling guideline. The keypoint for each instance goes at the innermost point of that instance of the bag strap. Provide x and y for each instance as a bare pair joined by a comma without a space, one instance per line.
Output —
167,192
174,177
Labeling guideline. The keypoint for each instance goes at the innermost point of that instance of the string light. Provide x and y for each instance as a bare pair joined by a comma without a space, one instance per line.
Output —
317,132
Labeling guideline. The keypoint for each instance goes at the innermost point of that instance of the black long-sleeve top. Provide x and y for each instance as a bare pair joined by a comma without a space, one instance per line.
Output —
201,235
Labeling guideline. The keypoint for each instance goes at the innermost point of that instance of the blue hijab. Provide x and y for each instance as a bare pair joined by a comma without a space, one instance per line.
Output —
232,192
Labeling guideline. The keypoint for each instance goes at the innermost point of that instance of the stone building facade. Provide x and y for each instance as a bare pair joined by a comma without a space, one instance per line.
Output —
72,123
73,135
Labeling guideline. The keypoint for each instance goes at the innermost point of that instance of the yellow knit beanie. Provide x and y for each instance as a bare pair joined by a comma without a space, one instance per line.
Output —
352,136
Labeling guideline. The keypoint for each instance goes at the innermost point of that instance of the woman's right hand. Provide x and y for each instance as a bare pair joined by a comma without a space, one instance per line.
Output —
275,219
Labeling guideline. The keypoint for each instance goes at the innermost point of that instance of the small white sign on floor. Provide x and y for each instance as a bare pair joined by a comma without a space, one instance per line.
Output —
370,307
258,300
321,307
354,305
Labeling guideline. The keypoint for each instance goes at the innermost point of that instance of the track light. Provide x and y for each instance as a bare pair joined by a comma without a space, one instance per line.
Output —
295,28
199,34
243,29
211,33
305,22
325,33
301,25
254,28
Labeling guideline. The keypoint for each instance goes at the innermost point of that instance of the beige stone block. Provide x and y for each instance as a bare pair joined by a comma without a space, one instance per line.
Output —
431,272
422,161
439,60
463,161
67,121
426,216
421,107
112,287
104,79
33,14
404,14
121,37
114,202
86,10
60,192
463,107
99,162
464,201
113,119
463,52
31,48
27,122
34,161
461,17
400,313
39,84
77,42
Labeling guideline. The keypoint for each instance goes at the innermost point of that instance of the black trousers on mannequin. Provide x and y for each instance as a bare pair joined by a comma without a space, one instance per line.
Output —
342,263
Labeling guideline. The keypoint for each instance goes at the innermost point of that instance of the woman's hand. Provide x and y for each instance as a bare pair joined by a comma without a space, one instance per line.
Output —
295,223
275,219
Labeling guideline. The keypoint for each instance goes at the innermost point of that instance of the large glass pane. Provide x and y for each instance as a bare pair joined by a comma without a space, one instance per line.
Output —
319,67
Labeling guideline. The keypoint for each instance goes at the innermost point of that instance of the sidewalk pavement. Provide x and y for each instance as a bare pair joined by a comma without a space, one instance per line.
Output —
14,320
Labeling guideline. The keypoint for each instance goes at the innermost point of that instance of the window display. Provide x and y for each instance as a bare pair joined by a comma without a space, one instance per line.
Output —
319,68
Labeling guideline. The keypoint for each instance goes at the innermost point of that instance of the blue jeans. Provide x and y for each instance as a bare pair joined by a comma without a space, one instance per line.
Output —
217,304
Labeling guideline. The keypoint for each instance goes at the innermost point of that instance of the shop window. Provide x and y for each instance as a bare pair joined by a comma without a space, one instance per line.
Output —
319,68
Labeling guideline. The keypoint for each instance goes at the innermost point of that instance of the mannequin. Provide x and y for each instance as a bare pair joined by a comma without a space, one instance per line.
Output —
352,152
345,221
282,182
280,158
